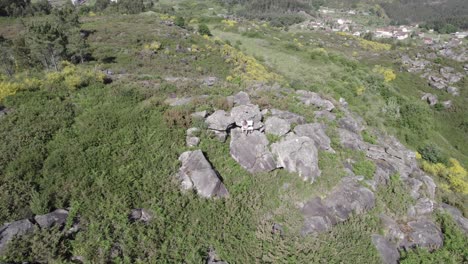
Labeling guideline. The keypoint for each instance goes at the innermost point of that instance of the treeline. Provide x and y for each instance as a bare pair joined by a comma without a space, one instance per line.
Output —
444,17
18,8
278,13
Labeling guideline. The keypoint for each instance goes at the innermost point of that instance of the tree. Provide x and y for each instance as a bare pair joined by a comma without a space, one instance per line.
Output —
100,5
204,30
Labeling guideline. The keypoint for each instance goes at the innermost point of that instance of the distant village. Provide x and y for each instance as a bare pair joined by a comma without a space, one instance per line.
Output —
331,20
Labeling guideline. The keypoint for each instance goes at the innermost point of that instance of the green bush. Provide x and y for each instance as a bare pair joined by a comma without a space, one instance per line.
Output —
364,168
204,30
180,22
432,154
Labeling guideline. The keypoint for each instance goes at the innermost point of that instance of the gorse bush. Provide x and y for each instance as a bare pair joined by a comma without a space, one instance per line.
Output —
432,154
204,30
453,173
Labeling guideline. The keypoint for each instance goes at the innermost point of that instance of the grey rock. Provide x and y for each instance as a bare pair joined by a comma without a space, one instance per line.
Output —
277,126
349,197
210,81
297,154
251,151
351,124
447,104
55,218
192,141
291,118
351,140
247,112
213,258
196,173
431,99
179,101
391,229
241,98
430,186
317,217
414,186
325,115
221,136
316,132
9,231
199,115
424,233
457,216
387,250
453,91
423,206
311,98
193,132
141,215
220,120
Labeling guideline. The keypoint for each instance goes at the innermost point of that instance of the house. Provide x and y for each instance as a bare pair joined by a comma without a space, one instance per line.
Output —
461,35
384,33
400,35
428,41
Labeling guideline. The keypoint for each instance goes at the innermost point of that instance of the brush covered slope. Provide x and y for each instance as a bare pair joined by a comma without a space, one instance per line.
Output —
125,139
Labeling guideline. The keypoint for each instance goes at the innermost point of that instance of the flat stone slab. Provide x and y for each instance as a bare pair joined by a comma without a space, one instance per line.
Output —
219,120
277,126
251,151
197,173
297,154
55,218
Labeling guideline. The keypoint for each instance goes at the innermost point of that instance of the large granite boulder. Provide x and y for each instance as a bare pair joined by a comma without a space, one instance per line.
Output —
311,98
316,132
220,121
387,250
297,154
10,230
277,126
196,173
55,218
349,197
291,118
351,140
251,151
423,233
247,112
457,216
317,217
346,199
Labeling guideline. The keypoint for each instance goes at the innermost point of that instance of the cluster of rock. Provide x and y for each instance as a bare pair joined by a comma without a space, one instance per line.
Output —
27,226
432,100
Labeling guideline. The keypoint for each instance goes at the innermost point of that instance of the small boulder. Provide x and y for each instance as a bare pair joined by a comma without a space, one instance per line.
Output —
297,154
351,140
140,215
241,98
220,121
291,118
9,231
247,112
351,124
55,218
424,233
325,115
430,99
210,81
316,132
192,139
457,216
423,206
251,151
317,217
453,91
391,229
277,126
196,173
387,250
447,104
311,98
199,115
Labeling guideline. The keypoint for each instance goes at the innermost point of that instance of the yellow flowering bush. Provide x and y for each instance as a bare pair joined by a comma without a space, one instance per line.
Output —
455,174
247,67
8,88
153,46
388,74
229,23
367,44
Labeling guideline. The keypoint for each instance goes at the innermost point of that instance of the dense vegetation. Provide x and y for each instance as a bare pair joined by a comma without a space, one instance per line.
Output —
101,145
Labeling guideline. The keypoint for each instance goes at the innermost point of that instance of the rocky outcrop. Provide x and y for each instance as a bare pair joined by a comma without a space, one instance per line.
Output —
347,198
22,227
297,154
316,132
277,126
197,173
220,121
140,215
431,99
291,118
247,112
457,216
351,140
251,151
192,139
387,250
311,98
55,218
423,233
